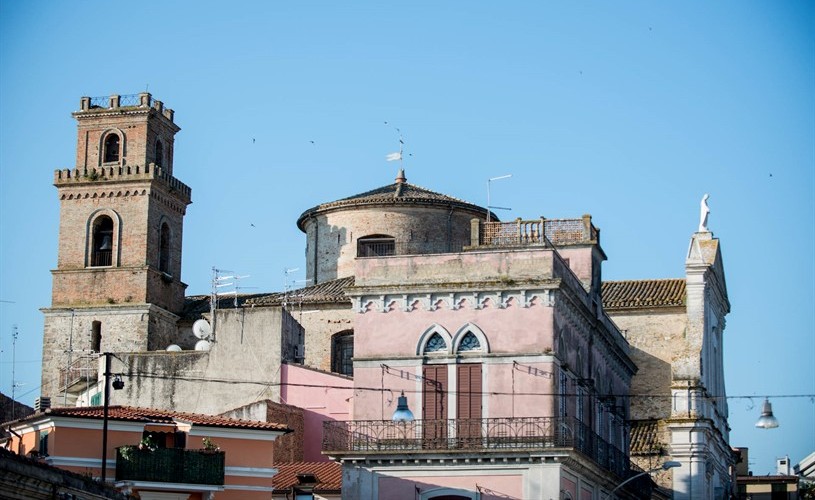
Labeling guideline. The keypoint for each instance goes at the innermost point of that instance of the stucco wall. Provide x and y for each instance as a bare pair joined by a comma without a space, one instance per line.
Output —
242,366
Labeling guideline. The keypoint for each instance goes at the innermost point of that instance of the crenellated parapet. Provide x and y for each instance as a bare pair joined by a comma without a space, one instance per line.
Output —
116,103
127,173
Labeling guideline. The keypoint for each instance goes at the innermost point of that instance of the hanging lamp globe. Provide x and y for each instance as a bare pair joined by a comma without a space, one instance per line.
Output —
767,420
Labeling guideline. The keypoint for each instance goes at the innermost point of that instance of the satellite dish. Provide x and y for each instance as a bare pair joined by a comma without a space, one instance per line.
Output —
202,345
173,348
201,329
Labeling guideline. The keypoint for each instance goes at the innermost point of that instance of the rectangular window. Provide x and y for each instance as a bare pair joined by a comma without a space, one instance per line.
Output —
376,247
43,443
96,399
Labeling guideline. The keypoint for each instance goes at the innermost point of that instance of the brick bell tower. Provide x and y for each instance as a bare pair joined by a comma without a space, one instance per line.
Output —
117,283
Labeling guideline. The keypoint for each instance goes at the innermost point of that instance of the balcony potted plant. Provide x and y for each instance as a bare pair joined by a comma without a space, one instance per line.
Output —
210,446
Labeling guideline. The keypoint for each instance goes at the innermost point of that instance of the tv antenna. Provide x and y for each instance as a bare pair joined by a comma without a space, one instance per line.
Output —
14,334
490,207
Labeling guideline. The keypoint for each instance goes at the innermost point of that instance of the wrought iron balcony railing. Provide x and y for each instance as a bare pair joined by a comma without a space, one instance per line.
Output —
482,435
170,465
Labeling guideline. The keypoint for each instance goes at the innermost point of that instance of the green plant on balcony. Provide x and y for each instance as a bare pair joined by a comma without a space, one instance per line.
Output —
209,445
148,444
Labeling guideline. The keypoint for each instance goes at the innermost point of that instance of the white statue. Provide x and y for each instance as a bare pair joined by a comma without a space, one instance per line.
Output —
704,211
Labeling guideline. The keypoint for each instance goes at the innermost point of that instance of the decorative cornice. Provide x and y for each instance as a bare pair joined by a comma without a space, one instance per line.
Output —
454,301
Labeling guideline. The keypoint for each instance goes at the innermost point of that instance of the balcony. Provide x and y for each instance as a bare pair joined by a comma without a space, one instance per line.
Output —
488,435
170,465
536,232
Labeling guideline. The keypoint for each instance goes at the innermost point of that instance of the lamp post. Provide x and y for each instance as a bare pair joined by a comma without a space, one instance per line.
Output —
117,384
488,193
667,465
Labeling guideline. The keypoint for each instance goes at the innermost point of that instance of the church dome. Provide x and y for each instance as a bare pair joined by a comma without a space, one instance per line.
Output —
396,219
399,192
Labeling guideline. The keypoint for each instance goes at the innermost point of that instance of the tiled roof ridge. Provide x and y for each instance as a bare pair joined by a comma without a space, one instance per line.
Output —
328,474
397,192
331,291
139,414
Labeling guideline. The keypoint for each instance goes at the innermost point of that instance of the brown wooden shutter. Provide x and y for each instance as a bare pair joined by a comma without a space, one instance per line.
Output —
434,407
468,403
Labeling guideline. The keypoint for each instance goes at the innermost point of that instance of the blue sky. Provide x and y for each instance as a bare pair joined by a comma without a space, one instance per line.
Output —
629,111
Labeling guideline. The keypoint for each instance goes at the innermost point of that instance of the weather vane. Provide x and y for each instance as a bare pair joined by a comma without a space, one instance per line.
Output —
397,156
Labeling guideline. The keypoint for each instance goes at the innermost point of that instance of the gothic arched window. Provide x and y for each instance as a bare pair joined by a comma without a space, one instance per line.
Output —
112,148
435,344
469,343
342,353
102,243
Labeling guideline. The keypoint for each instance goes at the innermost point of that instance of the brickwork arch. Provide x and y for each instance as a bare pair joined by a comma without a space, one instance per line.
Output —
96,218
107,140
166,240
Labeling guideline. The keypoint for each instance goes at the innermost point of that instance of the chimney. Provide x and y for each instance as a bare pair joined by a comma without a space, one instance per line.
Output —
41,404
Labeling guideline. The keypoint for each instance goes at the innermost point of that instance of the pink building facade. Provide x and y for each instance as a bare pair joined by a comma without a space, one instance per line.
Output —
507,361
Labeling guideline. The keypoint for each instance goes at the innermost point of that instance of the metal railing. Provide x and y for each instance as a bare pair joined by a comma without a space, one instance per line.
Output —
101,258
387,249
130,100
481,435
82,369
170,465
107,102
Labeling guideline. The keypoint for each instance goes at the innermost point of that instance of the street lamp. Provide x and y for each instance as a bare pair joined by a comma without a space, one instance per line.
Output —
767,420
117,384
488,194
667,465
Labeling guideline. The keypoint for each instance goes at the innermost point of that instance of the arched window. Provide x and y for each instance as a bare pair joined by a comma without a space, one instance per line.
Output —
112,145
102,242
164,249
159,159
435,344
469,343
342,353
96,336
377,245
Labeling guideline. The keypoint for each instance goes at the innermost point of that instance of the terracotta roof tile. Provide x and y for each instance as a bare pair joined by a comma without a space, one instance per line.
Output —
328,474
152,415
636,294
332,292
645,437
329,291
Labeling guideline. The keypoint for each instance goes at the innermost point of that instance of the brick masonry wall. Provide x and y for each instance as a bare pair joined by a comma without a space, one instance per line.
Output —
139,130
287,448
416,230
657,338
321,323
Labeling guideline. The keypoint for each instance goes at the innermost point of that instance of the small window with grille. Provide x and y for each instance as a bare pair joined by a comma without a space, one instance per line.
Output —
376,246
